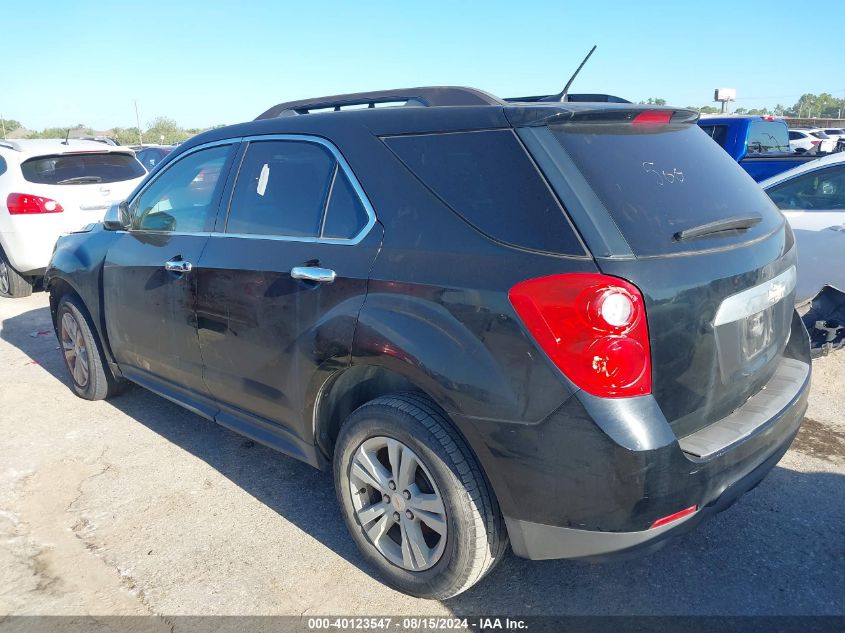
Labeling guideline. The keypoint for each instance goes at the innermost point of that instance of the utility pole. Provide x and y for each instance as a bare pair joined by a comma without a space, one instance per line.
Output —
138,123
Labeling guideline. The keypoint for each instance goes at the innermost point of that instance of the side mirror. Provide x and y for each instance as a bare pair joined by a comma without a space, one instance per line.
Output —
117,217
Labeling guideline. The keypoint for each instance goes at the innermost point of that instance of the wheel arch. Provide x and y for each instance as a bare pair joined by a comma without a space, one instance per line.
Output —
351,388
347,390
57,287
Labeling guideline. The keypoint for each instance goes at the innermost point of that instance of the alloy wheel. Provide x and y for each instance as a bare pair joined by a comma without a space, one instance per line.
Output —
398,504
5,282
75,350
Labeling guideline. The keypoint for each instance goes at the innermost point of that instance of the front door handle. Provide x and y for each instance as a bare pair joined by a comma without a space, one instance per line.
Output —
178,266
312,273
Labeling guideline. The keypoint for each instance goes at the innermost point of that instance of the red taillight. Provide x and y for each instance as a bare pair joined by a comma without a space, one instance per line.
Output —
593,327
674,517
815,142
653,117
25,204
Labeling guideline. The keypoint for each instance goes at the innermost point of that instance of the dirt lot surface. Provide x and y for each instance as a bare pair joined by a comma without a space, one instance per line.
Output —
136,506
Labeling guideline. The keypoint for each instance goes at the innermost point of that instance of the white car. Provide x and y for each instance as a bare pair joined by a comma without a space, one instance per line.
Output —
812,195
49,187
835,133
806,140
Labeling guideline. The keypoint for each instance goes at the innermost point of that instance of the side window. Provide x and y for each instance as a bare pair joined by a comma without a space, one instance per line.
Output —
345,216
281,189
2,165
294,189
794,136
182,198
822,190
488,179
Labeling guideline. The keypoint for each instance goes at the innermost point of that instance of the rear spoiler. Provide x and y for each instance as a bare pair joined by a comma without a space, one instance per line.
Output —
569,98
614,113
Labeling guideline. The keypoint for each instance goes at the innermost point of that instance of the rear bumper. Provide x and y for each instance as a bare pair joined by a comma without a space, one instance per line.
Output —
29,251
591,479
539,542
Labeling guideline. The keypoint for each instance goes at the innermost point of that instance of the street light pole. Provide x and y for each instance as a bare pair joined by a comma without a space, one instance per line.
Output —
138,123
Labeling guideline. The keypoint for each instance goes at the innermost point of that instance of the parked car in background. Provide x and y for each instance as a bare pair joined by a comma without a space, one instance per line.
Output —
834,133
151,155
759,144
570,325
812,196
810,140
51,186
838,135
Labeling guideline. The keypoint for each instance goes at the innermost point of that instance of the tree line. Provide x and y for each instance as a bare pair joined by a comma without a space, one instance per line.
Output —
822,106
160,130
167,131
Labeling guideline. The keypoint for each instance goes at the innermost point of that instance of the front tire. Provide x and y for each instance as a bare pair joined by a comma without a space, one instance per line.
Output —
90,376
13,285
414,499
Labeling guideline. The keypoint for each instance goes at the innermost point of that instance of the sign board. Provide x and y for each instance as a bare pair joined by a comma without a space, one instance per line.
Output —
724,94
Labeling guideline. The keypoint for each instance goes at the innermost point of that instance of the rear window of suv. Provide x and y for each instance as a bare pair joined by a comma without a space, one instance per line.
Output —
81,169
657,182
487,178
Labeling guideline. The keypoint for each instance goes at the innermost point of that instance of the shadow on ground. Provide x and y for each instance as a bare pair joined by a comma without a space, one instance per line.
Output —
779,550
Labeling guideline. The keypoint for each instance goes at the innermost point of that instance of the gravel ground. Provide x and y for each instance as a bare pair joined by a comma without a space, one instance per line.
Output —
136,506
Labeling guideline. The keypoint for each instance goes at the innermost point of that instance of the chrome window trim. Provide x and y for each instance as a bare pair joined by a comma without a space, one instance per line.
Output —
756,299
306,138
350,175
325,213
229,141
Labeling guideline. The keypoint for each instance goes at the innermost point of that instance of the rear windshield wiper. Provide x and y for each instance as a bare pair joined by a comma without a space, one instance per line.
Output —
80,180
738,223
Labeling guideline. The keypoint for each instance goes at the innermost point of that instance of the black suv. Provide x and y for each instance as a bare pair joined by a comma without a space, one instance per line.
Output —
567,325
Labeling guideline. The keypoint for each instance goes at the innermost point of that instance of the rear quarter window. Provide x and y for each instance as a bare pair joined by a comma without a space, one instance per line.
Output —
79,169
488,179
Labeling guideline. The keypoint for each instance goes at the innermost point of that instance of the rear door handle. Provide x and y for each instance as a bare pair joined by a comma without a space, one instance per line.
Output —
312,273
178,266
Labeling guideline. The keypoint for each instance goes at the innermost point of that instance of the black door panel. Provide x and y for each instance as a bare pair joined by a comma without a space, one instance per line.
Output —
149,285
149,310
267,338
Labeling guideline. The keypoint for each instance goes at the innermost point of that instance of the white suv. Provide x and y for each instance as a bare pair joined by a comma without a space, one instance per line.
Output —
49,187
807,139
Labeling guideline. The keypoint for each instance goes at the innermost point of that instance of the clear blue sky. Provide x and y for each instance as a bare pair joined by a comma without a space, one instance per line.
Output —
204,62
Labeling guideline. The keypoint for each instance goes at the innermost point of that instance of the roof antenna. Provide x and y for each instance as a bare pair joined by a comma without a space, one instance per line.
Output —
64,142
561,96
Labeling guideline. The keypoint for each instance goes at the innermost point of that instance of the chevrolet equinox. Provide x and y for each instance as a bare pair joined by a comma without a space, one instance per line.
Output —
564,326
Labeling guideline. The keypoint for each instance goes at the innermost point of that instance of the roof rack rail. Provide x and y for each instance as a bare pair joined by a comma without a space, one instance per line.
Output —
570,98
424,96
10,145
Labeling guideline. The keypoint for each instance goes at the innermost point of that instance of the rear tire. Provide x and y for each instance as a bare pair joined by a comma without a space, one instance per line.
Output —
438,530
13,285
90,376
